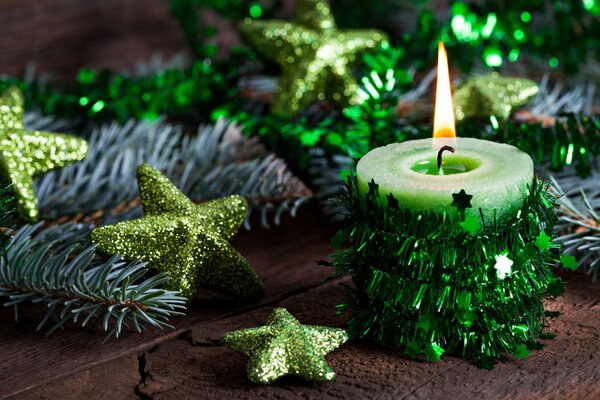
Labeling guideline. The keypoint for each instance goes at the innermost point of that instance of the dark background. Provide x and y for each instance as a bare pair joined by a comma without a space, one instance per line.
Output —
60,36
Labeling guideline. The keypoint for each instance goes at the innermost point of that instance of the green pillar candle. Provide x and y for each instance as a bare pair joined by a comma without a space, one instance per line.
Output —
496,175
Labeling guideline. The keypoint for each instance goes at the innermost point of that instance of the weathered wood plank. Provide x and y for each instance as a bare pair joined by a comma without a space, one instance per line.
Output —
61,36
283,256
567,367
193,364
104,382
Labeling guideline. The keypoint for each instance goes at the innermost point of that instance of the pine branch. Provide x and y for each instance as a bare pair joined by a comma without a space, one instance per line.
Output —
216,162
58,269
572,98
6,212
327,177
579,221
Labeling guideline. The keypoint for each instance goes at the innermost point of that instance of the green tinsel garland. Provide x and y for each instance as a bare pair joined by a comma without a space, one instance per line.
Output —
105,95
427,284
572,140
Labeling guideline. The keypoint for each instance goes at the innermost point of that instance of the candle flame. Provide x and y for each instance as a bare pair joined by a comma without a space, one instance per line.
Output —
443,120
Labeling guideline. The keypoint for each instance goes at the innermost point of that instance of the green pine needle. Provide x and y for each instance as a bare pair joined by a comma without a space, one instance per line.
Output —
59,270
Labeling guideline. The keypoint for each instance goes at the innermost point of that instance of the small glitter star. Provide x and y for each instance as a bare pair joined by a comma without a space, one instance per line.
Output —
315,56
503,266
285,347
188,241
24,154
461,199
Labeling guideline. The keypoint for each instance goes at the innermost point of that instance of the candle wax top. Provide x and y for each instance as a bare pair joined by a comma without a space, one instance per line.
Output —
497,175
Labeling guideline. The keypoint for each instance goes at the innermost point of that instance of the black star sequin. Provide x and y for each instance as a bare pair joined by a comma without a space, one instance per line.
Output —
462,200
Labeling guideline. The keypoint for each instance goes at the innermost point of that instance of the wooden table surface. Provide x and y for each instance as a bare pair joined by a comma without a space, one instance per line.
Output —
190,361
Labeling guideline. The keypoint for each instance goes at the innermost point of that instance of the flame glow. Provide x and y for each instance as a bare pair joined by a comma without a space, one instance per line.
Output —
443,120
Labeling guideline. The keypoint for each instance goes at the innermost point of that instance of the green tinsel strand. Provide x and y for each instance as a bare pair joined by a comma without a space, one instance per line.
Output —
572,140
101,96
427,285
197,33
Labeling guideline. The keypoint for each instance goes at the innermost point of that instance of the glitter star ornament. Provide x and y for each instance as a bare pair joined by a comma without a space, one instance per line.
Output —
315,57
186,240
286,347
24,153
486,95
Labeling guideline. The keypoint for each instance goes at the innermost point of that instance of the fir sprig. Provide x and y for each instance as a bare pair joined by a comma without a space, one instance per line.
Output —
217,162
6,213
578,227
59,270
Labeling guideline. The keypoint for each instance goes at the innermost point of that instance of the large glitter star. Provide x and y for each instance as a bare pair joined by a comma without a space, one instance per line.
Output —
285,347
188,241
486,95
315,57
24,153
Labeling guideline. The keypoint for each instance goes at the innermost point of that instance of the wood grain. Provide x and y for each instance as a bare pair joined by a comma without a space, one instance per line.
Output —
191,362
283,256
61,36
567,367
103,382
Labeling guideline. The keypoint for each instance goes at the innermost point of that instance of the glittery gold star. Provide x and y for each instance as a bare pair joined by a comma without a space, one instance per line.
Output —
188,241
315,57
24,153
285,347
486,95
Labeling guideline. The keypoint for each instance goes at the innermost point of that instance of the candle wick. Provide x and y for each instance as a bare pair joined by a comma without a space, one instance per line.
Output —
439,156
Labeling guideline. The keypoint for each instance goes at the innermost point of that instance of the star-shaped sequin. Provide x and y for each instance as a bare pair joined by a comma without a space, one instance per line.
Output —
486,95
285,347
569,262
461,200
315,57
188,241
503,266
24,153
543,241
373,188
392,202
470,224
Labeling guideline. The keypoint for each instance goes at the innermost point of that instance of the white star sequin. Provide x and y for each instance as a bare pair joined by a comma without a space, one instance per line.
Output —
503,266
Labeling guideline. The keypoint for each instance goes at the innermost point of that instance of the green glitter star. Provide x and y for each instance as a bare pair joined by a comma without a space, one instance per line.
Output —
188,241
285,347
24,153
461,199
486,95
315,56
